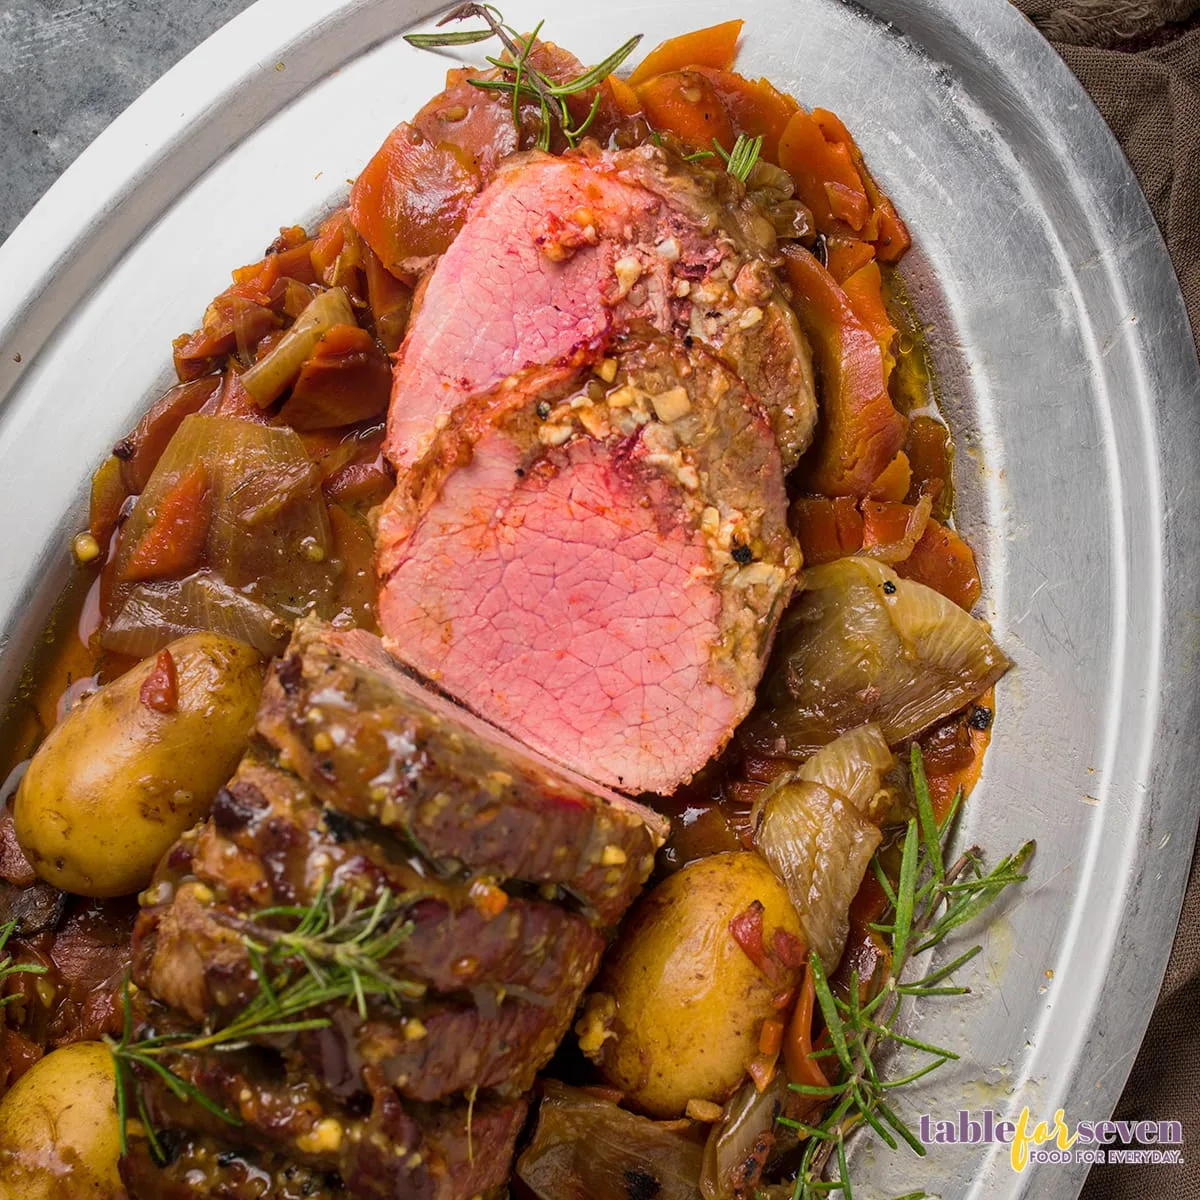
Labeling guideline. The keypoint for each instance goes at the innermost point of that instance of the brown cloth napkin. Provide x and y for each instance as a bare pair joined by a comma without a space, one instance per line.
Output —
1140,61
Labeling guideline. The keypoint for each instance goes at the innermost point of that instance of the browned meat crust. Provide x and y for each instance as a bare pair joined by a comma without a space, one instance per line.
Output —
424,1097
374,745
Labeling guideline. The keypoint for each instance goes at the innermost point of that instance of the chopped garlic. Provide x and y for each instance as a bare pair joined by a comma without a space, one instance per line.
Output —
668,250
324,1138
554,435
607,370
628,271
671,405
86,548
612,856
623,397
751,317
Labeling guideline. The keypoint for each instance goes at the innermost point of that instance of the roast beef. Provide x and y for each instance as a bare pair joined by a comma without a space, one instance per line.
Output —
559,251
190,954
594,555
499,870
288,1126
376,746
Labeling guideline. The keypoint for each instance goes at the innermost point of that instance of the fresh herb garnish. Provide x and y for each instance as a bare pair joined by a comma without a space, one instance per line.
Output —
8,967
525,82
927,902
741,160
323,959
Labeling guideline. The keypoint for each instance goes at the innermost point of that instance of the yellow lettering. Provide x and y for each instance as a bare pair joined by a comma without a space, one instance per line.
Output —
1041,1134
1065,1141
1020,1142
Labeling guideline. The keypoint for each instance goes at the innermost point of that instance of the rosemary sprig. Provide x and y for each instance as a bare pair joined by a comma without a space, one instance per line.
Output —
740,161
8,967
325,958
525,82
927,902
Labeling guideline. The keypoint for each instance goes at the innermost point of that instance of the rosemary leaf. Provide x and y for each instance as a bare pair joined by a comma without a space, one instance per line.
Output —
600,72
905,890
829,1010
949,969
438,41
808,1130
928,823
843,1168
900,1127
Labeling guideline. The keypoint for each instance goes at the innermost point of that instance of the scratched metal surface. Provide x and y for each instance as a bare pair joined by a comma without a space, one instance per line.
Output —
1066,368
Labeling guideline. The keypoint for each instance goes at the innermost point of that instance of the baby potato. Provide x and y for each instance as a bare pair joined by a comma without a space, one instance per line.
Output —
59,1135
680,1004
113,785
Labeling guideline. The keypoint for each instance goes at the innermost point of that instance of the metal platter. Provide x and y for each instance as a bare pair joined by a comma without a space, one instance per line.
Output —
1066,370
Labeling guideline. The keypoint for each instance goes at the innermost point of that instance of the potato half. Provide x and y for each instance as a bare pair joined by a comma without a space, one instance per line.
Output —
58,1129
680,1004
113,785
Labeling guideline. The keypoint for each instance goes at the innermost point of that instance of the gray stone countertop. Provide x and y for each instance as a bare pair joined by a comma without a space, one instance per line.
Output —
68,67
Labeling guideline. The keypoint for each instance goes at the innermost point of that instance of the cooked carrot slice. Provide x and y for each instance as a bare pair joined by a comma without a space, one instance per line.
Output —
687,104
172,546
943,561
861,431
714,46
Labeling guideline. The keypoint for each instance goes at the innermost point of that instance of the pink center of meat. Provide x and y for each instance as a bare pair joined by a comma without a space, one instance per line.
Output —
574,609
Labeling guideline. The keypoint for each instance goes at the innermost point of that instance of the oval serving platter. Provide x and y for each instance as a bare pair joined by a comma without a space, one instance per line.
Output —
1066,369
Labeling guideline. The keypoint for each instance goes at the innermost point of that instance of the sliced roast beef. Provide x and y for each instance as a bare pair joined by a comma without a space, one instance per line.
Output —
491,872
594,557
432,1152
440,1049
558,252
378,747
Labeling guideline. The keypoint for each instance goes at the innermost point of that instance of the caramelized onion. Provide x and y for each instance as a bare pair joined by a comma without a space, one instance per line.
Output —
739,1143
818,829
862,645
274,373
267,555
586,1148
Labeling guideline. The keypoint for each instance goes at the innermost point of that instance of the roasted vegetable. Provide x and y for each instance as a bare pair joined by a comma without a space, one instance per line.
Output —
131,768
59,1135
586,1148
819,827
713,46
740,1142
347,379
863,645
698,968
277,370
230,535
860,430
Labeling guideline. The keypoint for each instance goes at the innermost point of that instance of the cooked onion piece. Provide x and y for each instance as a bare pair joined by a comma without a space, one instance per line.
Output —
587,1146
231,535
276,371
818,829
862,645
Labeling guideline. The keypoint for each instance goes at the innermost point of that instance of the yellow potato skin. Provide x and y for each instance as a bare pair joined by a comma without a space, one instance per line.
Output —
115,783
59,1138
689,1003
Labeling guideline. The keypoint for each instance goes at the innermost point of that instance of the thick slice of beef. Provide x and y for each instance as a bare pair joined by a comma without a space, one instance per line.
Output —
595,559
190,955
560,251
442,1049
377,746
433,1152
